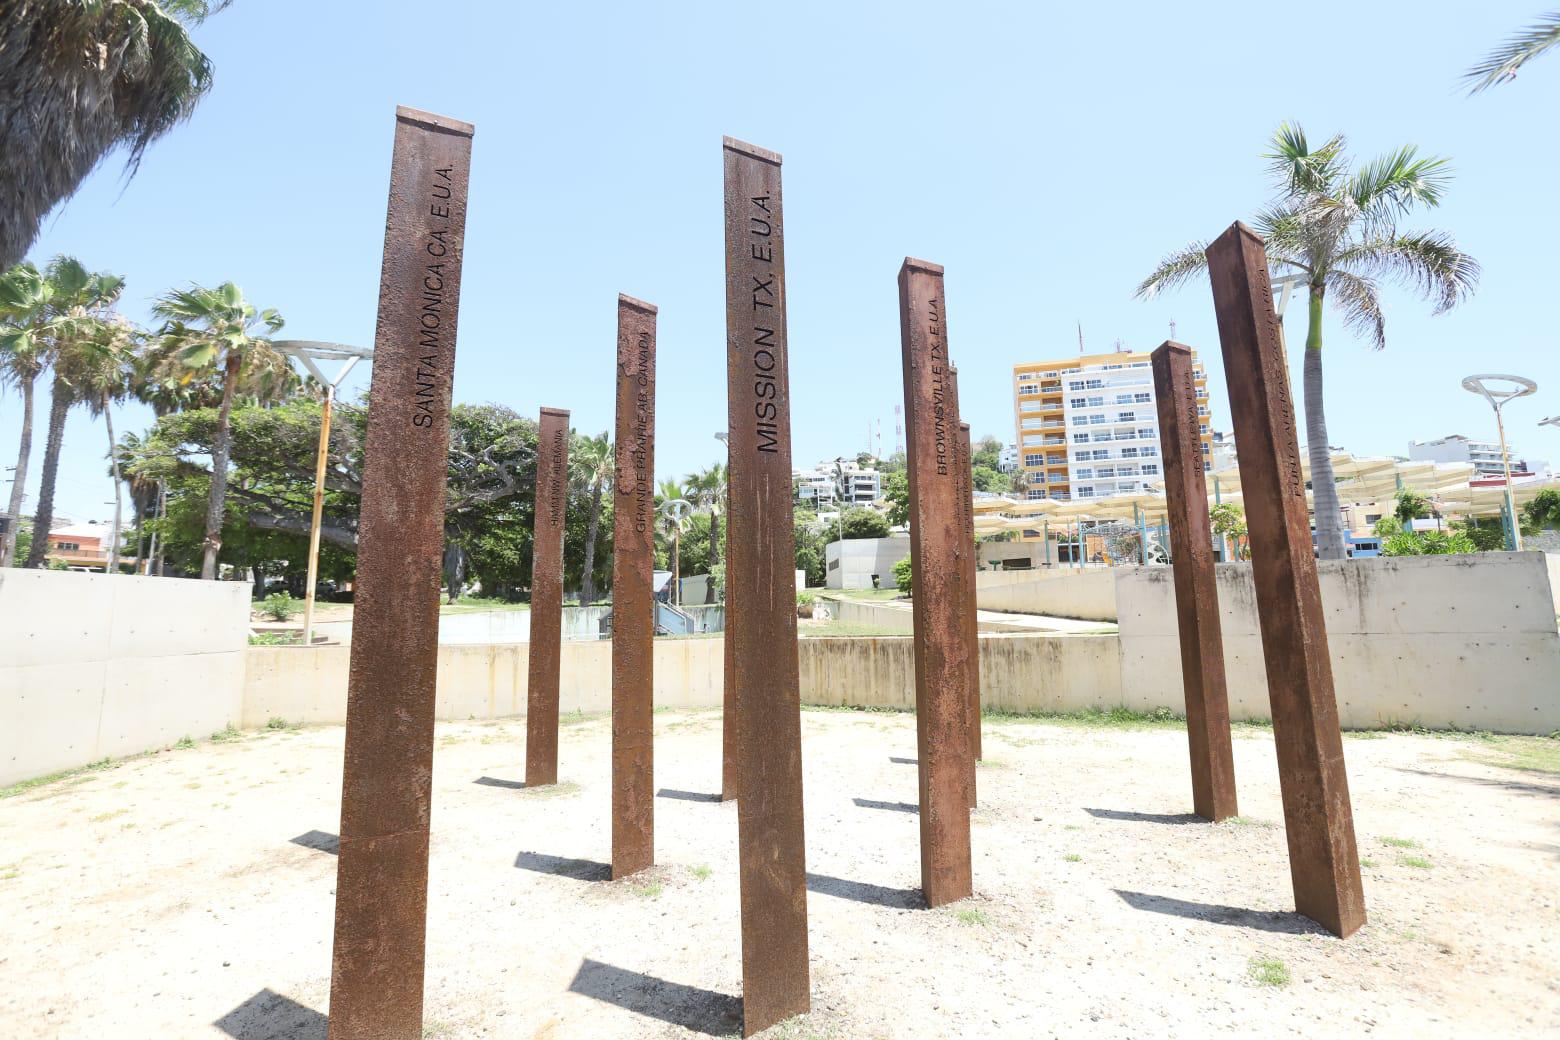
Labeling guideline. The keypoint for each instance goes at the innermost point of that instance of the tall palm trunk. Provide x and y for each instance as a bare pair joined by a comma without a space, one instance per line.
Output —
19,485
43,516
714,538
220,448
119,489
1324,488
676,596
588,580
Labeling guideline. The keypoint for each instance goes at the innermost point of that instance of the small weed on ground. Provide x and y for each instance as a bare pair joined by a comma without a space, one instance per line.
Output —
1418,862
1369,864
276,722
1248,821
1071,857
226,734
702,872
184,744
1400,843
1268,971
100,817
971,916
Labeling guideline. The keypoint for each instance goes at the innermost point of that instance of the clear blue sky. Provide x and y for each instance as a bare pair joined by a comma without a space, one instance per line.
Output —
1047,159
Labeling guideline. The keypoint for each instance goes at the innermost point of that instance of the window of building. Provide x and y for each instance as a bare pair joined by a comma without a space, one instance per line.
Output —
1028,388
1123,398
1076,384
1056,460
1149,451
1125,416
1107,471
1080,438
1032,423
1096,420
1037,478
1140,398
1080,420
1096,402
1087,491
1034,493
68,546
1150,468
1034,459
1030,406
1148,433
1078,402
1129,453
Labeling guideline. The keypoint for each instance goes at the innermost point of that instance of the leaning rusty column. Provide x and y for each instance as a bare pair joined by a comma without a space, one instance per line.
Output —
760,574
1196,592
1323,864
941,654
633,593
963,473
552,492
972,636
376,983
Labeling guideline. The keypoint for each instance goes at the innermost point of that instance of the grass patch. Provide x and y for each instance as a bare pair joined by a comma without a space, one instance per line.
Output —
470,604
1417,862
1073,857
650,888
824,629
1249,821
972,917
577,717
275,638
557,790
184,744
1268,971
870,595
1525,754
23,786
1369,864
702,872
1400,843
226,734
102,816
276,722
9,872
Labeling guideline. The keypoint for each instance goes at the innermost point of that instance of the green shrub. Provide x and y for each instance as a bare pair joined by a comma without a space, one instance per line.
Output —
279,606
902,575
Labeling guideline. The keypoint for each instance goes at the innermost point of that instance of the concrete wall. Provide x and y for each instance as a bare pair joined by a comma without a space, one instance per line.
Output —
514,626
850,564
1088,593
1465,641
309,684
97,665
881,615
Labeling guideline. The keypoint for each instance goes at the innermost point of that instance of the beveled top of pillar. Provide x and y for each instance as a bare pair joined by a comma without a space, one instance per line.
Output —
1240,227
1172,347
555,411
912,264
625,300
434,122
753,151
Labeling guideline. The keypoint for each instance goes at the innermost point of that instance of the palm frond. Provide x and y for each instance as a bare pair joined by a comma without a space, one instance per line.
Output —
1393,183
1429,262
1301,169
1502,63
1174,270
1359,299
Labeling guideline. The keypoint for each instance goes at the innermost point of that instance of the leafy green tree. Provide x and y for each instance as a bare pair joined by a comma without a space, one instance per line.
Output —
862,522
810,542
988,453
99,372
985,478
593,461
1410,505
896,492
903,579
78,307
1542,512
672,512
80,79
215,330
1228,520
708,489
1501,64
1336,224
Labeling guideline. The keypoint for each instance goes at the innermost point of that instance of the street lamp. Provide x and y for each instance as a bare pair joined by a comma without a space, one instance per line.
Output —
1498,396
309,351
1553,420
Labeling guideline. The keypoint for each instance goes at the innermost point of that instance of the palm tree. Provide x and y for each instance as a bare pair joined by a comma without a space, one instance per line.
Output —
209,331
24,316
78,307
593,460
100,374
1501,64
1337,226
80,79
672,519
708,489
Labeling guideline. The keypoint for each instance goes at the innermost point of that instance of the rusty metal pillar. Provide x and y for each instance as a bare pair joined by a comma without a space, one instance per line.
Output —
971,620
1323,863
552,495
633,593
760,577
941,653
731,703
1196,593
966,578
376,985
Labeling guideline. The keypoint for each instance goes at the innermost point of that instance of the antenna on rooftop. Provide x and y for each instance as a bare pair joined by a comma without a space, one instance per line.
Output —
1172,328
1080,339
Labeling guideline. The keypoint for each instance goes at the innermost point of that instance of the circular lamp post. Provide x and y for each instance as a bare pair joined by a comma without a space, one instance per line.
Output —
1497,395
310,351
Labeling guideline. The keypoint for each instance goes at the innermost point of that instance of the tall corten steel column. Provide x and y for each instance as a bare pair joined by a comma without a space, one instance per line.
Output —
971,622
552,494
376,985
633,593
1196,593
962,471
731,702
760,574
941,650
1323,863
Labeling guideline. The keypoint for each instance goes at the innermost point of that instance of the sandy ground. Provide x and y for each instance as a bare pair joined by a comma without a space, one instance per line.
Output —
189,894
